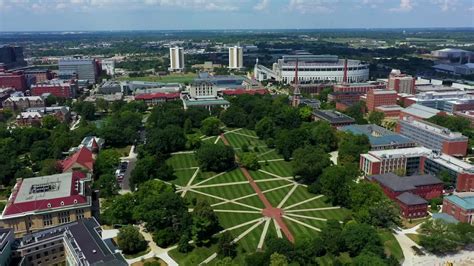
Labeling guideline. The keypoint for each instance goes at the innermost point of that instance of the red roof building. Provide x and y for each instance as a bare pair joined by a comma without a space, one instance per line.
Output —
46,201
82,159
232,92
156,98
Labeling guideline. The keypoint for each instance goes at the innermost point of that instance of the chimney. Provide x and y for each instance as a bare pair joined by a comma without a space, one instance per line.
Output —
344,80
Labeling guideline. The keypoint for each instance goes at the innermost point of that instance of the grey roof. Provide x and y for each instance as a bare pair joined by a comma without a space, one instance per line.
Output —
445,217
421,111
407,183
409,198
378,136
333,116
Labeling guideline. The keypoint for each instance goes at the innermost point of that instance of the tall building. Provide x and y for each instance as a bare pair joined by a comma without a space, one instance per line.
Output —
401,83
377,98
60,88
80,68
108,65
433,136
11,56
176,59
236,57
46,201
15,79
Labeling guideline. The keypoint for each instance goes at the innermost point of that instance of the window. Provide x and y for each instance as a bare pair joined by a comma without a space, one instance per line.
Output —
79,214
64,217
47,220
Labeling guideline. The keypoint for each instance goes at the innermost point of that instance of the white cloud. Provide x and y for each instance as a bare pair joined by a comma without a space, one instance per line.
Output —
405,6
371,3
262,5
312,6
446,5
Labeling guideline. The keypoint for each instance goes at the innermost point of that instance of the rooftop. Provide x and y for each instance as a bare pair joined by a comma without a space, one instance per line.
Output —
433,128
422,111
46,192
397,153
466,203
409,198
377,135
406,183
157,95
379,91
333,116
82,157
392,107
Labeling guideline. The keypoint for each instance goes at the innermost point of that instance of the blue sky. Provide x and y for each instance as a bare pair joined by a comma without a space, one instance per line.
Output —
42,15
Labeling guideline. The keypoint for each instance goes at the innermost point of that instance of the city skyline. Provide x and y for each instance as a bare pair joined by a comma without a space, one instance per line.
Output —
82,15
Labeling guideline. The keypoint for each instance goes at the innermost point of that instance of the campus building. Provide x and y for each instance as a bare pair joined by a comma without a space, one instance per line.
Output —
314,69
433,136
12,56
21,103
14,79
38,75
78,68
449,102
410,192
460,206
401,83
334,118
152,99
419,112
46,201
236,57
29,118
377,98
379,137
390,111
176,59
83,159
60,88
419,160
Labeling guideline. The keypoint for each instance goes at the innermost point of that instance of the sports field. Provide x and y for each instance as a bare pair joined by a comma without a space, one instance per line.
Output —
252,205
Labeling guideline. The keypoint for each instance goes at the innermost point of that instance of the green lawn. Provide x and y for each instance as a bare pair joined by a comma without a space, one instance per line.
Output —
280,168
196,256
179,161
391,244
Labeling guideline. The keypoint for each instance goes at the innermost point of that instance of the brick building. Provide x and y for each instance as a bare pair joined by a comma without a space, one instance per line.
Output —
419,160
390,110
59,88
401,83
433,136
334,118
460,206
29,118
411,192
376,98
152,99
361,88
22,103
15,79
39,75
46,201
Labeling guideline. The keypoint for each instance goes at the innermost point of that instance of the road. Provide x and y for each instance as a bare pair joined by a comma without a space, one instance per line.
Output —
132,159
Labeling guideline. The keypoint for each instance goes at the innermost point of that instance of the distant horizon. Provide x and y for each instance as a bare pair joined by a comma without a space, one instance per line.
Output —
130,15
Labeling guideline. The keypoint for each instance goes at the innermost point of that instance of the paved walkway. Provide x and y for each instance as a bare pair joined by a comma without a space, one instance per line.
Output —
269,211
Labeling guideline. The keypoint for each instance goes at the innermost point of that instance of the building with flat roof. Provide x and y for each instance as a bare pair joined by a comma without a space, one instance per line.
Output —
449,53
314,68
460,206
152,99
410,192
46,201
401,83
57,87
418,111
13,79
334,118
78,68
419,160
450,102
435,88
433,136
390,110
379,137
377,98
12,56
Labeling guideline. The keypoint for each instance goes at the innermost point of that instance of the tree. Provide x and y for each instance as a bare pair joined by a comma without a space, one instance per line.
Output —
308,163
335,183
183,244
50,100
216,158
130,240
332,237
50,122
227,261
324,135
359,237
151,167
50,167
225,245
211,126
118,210
164,141
196,115
205,223
107,185
188,126
351,146
106,162
369,259
357,111
85,109
288,141
102,104
40,150
278,260
265,128
234,116
440,237
249,160
305,113
376,117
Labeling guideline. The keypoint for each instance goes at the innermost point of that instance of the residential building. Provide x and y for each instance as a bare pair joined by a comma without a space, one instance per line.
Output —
401,83
379,137
152,99
60,88
236,57
419,160
21,103
410,192
460,206
313,69
419,112
334,118
12,56
29,118
176,59
433,136
78,68
377,98
7,237
46,201
83,159
14,79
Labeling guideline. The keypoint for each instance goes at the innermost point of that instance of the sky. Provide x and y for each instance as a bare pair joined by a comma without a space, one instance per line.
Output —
90,15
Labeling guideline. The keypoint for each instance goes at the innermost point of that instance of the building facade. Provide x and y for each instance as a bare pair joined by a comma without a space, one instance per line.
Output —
176,59
401,83
334,118
152,99
236,57
379,137
12,56
60,88
433,136
15,79
22,103
78,68
461,207
377,98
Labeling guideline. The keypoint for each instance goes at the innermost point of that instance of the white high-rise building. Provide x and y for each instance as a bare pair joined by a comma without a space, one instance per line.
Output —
176,59
236,57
